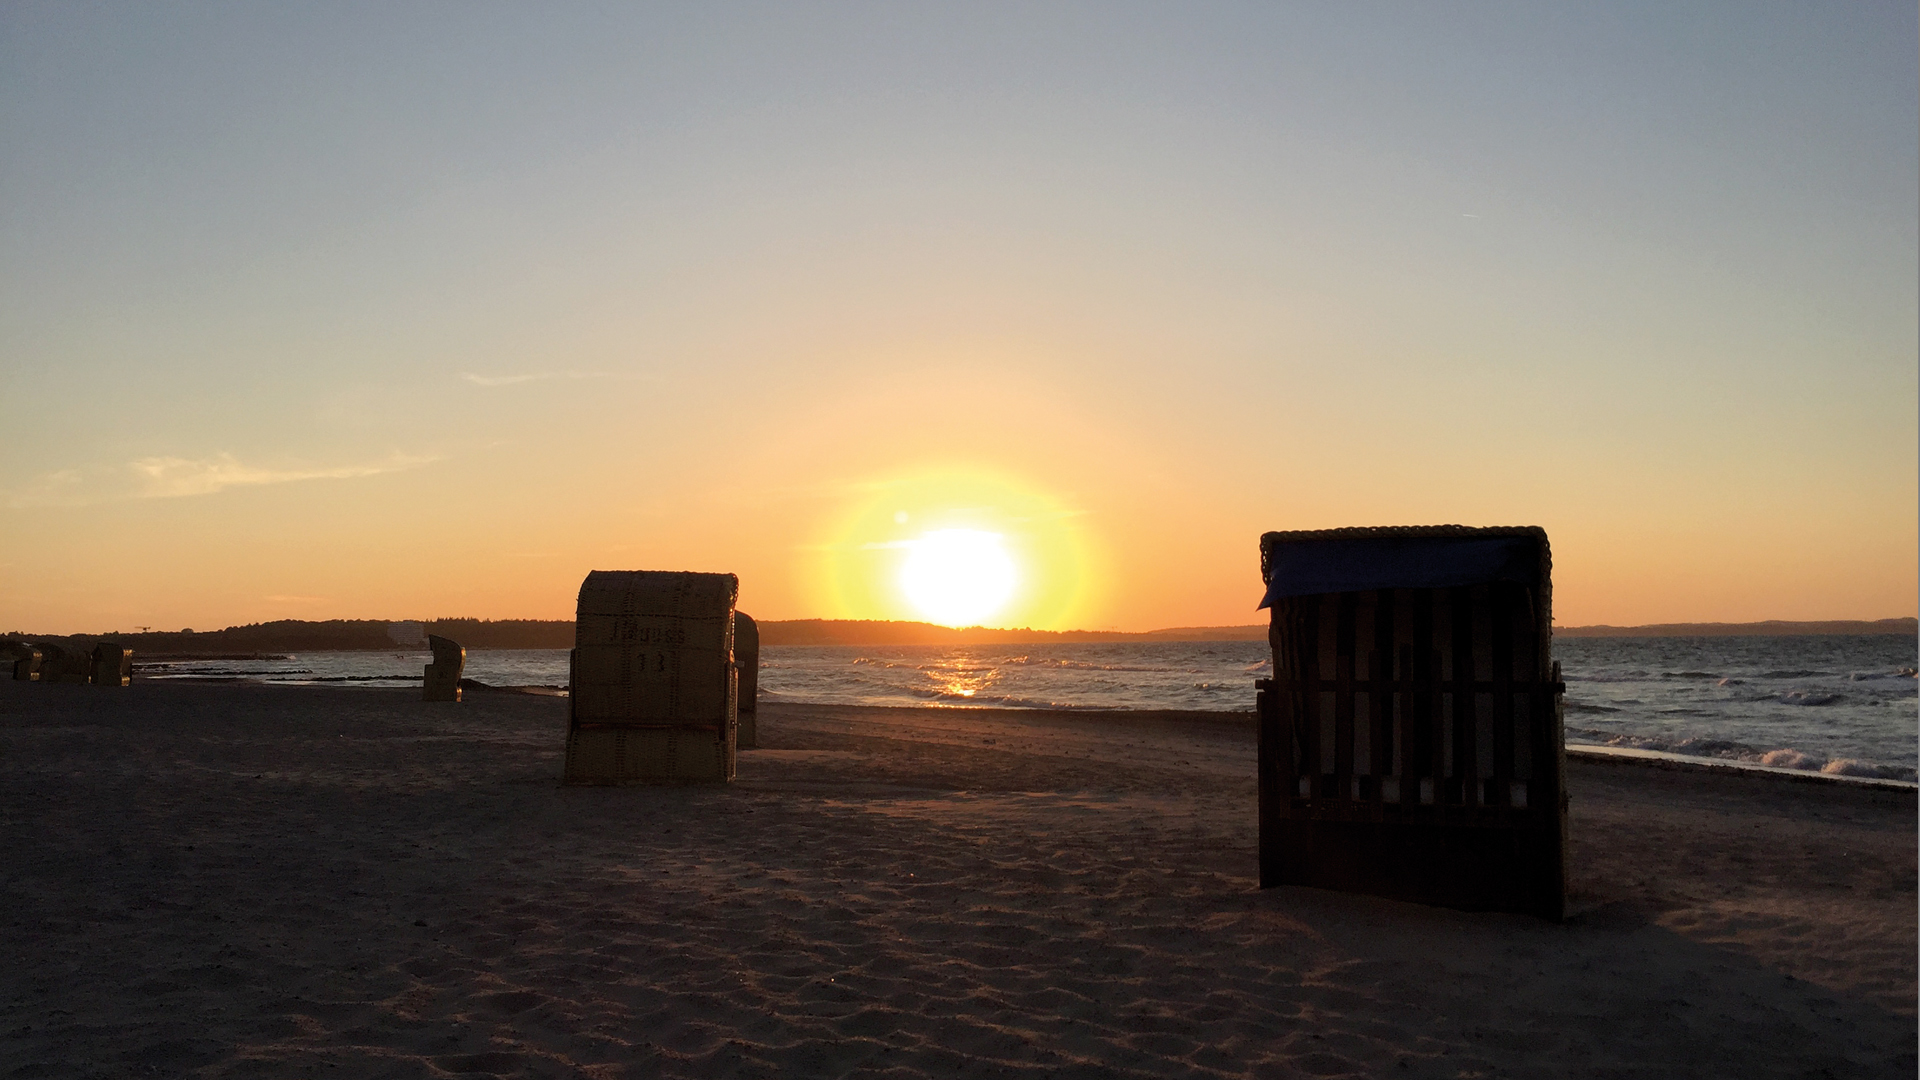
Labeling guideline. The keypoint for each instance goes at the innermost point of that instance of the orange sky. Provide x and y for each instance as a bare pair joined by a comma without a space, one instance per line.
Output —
317,317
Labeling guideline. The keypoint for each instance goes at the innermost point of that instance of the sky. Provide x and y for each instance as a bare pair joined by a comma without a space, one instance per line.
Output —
425,310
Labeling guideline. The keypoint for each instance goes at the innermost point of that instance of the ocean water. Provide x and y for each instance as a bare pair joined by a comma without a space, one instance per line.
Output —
1838,704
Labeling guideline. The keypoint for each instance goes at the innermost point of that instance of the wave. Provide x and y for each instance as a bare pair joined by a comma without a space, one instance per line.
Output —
984,701
165,671
1688,675
1086,665
1729,750
1809,697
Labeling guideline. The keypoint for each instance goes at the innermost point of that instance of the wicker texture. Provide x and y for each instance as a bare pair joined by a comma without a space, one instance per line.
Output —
653,687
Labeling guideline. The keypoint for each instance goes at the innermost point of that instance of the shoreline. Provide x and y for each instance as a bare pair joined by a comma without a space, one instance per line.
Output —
1609,754
1661,759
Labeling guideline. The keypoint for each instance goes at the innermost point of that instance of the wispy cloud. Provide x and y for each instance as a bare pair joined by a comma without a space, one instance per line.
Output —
172,477
177,477
539,376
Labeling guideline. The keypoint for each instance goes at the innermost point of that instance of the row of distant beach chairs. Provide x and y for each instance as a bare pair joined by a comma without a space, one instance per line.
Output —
1411,738
107,664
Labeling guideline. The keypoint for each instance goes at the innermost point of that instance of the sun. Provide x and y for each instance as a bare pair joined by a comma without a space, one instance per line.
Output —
958,576
959,546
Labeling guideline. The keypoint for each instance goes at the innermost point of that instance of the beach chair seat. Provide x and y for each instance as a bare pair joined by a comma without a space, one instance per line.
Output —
653,685
111,664
442,677
746,661
1411,739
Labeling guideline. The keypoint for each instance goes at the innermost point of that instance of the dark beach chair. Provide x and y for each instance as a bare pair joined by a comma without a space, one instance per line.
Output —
746,661
1411,736
112,664
58,664
653,686
443,675
26,660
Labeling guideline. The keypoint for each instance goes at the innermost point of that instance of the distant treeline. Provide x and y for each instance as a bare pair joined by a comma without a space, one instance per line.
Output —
1771,628
369,635
333,635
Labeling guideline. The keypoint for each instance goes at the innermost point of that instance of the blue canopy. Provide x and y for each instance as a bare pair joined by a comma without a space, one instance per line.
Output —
1308,567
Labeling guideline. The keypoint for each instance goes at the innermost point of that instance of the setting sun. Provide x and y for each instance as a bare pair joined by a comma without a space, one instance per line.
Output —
957,546
958,576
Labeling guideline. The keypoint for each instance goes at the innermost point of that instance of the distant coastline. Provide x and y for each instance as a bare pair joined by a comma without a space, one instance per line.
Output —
373,635
1770,628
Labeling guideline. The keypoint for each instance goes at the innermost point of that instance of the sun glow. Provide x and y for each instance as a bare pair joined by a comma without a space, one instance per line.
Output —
958,576
959,547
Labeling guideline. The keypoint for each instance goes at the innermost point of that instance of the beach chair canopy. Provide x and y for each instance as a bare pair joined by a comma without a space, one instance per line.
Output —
1360,560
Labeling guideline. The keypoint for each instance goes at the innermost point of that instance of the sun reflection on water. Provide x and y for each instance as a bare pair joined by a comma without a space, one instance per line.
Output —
960,676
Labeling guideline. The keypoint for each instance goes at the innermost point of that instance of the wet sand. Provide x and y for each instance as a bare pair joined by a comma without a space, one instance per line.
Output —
267,881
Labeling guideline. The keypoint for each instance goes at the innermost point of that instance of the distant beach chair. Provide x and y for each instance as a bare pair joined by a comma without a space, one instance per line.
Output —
1411,741
60,665
26,660
653,686
112,664
746,661
443,675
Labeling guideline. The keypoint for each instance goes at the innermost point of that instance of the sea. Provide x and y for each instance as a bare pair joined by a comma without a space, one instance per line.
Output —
1837,704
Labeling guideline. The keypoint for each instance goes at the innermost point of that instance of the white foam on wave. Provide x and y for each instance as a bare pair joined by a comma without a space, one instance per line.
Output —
1810,697
1728,750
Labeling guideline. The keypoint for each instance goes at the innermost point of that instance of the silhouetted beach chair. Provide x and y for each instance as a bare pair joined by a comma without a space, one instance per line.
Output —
1411,736
653,679
443,675
746,661
26,660
112,664
60,665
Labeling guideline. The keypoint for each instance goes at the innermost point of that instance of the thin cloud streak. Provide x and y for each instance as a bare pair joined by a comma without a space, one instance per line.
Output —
172,477
163,477
540,376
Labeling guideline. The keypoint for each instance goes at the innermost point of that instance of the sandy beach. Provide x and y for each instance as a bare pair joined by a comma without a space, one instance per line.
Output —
235,880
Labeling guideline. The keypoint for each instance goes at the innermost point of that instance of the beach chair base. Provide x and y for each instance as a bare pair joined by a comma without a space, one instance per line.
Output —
634,755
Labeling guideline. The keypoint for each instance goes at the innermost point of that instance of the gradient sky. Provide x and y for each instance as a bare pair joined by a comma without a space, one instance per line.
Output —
406,311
